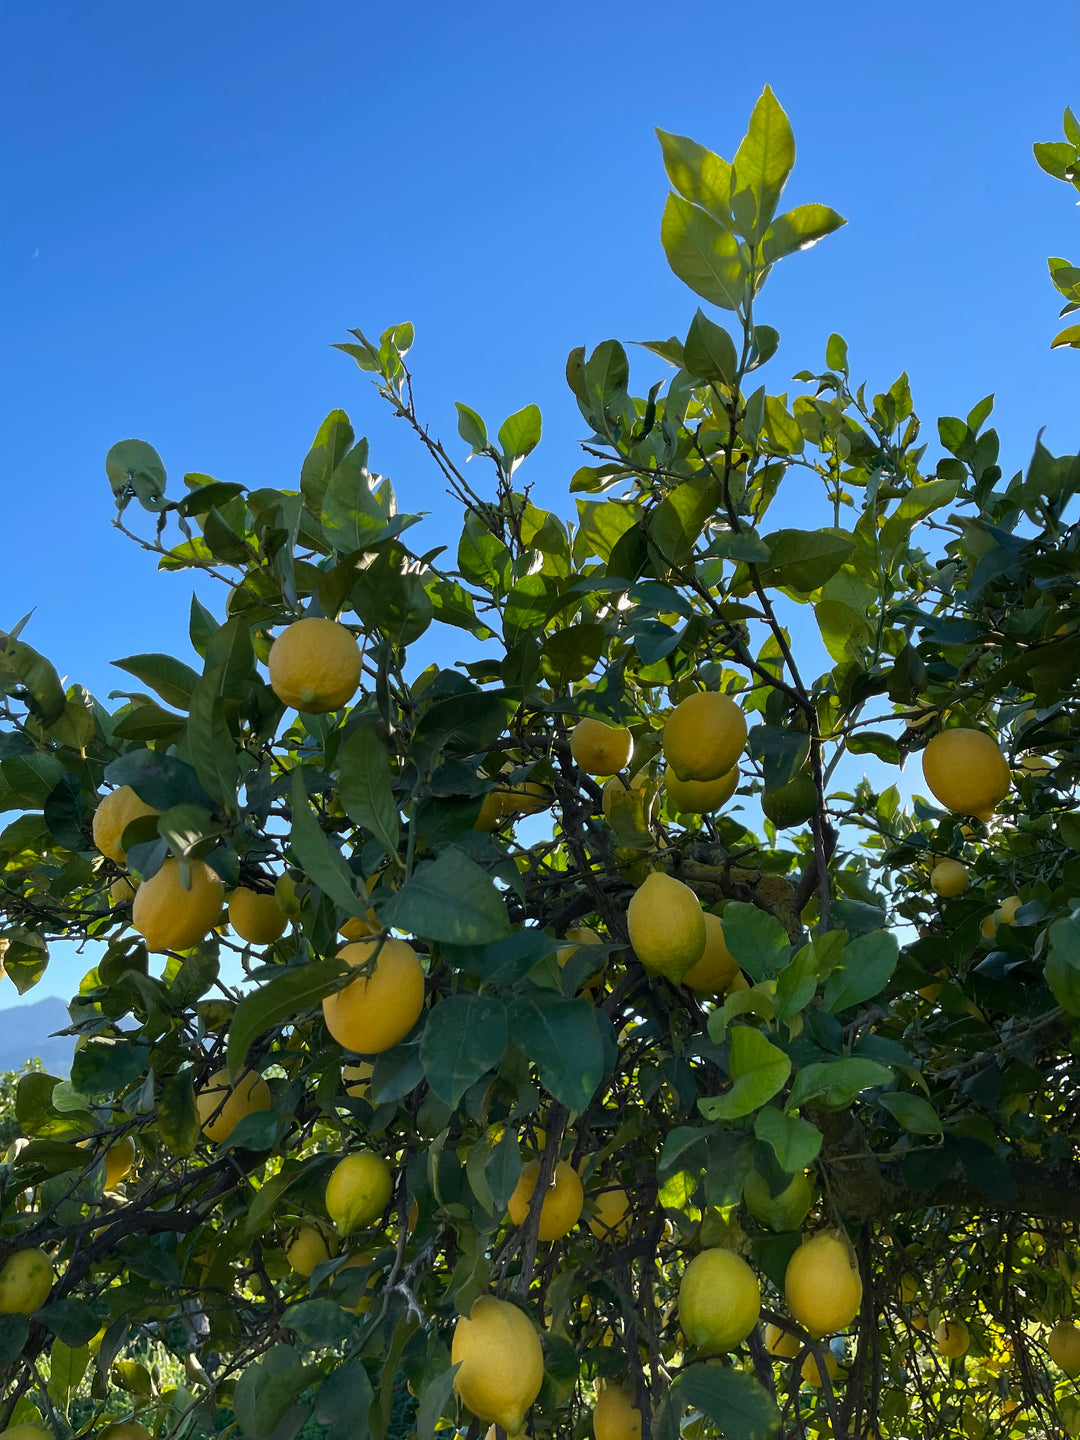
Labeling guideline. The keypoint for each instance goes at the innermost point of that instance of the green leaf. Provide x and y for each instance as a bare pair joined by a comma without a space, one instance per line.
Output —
571,654
343,1402
1069,336
292,993
106,1067
464,1037
703,254
755,939
677,522
171,679
161,780
798,229
67,1366
875,742
1063,963
22,668
319,1323
135,465
189,830
471,428
913,1112
13,1332
321,861
865,968
434,1398
709,353
563,1037
210,745
177,1113
72,1320
804,559
836,354
758,1070
698,175
835,1083
796,983
334,437
763,163
519,436
31,778
794,1141
845,632
449,899
734,1401
354,517
365,789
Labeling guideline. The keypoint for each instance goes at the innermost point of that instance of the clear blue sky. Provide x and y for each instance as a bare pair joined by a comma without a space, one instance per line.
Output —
199,199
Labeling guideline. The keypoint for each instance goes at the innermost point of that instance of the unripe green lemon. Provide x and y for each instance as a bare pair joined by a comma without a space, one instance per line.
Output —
358,1191
785,1211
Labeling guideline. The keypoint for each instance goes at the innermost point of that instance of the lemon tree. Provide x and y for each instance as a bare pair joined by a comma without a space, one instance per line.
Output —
617,972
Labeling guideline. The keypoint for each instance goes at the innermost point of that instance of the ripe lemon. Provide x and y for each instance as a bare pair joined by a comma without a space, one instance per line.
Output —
667,926
26,1277
714,972
509,801
222,1106
357,927
966,771
119,1159
358,1191
113,815
561,1207
1005,914
704,736
26,1432
357,1078
988,926
719,1300
170,917
952,1339
781,1344
810,1372
310,1248
1037,765
315,665
615,1416
909,1289
948,879
256,918
501,1362
785,1211
822,1284
373,1013
700,797
601,749
610,1221
581,935
1063,1343
122,890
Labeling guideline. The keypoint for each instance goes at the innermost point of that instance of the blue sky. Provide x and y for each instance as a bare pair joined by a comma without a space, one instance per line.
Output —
198,200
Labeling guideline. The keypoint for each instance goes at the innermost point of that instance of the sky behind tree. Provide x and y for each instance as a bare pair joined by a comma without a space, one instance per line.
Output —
198,201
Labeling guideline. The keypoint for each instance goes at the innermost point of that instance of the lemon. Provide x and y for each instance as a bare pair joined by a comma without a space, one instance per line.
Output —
966,771
358,927
615,1416
811,1373
610,1222
700,797
988,926
26,1432
255,917
119,1159
714,972
918,1320
822,1284
358,1191
581,935
357,1078
667,926
509,801
358,1262
781,1344
315,665
785,1211
1063,1343
601,749
373,1013
309,1248
561,1207
948,879
704,736
501,1362
952,1339
222,1106
170,917
26,1277
286,896
125,1430
1006,911
909,1289
122,890
1068,1409
790,804
719,1300
113,815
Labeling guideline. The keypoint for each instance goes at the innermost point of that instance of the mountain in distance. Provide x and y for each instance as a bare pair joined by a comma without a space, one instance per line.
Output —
26,1033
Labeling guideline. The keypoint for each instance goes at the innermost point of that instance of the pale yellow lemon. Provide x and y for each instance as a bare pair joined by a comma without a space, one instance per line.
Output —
222,1106
256,917
811,1373
719,1300
615,1416
501,1364
610,1220
169,915
966,771
561,1206
781,1344
715,971
952,1339
822,1284
358,1191
309,1248
26,1277
315,665
704,736
949,878
700,797
1063,1343
667,926
599,748
114,814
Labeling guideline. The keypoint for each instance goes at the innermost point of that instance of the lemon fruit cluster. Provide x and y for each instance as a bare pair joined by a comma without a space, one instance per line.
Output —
561,1207
966,771
501,1364
375,1011
170,915
315,665
822,1284
667,926
358,1191
113,815
719,1301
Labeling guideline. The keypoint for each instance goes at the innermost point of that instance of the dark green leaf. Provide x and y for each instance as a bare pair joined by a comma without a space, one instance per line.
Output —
913,1112
318,857
177,1113
72,1320
319,1323
104,1066
709,353
865,968
794,1141
364,769
434,1398
291,994
804,559
343,1401
160,780
464,1037
835,1083
1063,963
334,437
756,940
563,1038
758,1070
734,1401
22,668
209,743
449,899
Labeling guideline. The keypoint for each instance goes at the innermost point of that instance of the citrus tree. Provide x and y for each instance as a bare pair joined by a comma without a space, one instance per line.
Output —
570,1037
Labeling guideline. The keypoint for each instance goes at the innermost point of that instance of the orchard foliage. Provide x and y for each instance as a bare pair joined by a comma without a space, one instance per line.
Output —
857,585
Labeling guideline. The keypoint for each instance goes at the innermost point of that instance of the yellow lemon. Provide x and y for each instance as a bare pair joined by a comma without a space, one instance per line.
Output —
781,1344
119,1159
113,815
601,749
918,1320
358,1262
358,1191
222,1106
26,1277
501,1362
509,801
256,918
286,896
581,935
719,1300
358,927
948,879
952,1339
714,972
704,736
1006,911
1063,1343
610,1222
125,1430
26,1432
561,1207
667,926
700,797
171,917
373,1013
615,1416
122,890
909,1289
357,1078
822,1284
988,926
966,771
785,1211
315,665
309,1248
810,1372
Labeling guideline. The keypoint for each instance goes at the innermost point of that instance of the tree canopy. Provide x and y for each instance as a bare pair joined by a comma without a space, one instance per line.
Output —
431,824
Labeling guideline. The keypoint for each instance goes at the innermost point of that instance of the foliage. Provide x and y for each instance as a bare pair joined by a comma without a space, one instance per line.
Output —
923,1068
